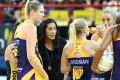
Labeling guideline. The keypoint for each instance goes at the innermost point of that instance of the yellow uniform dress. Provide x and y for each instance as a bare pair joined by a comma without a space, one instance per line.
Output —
81,66
25,70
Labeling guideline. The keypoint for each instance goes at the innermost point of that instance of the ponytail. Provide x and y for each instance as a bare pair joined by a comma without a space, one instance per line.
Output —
31,5
26,8
72,32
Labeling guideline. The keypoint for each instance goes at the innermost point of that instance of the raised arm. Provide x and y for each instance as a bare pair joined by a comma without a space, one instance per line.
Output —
105,42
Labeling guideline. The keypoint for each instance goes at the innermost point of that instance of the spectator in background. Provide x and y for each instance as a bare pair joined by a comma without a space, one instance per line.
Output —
50,46
112,2
1,1
9,12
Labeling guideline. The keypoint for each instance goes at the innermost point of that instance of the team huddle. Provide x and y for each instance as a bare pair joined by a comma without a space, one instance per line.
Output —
39,53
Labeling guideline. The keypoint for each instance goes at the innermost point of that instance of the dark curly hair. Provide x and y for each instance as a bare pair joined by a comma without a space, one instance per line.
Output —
41,33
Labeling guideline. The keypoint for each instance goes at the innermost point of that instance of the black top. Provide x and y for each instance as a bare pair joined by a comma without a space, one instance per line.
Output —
52,59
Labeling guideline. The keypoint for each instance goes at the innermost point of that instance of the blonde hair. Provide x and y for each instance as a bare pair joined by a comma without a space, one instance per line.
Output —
31,5
113,14
77,25
26,9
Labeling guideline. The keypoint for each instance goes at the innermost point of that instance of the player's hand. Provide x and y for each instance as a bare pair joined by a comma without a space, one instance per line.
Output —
102,29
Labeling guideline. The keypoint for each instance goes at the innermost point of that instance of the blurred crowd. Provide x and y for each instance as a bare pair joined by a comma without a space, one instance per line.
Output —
9,14
59,1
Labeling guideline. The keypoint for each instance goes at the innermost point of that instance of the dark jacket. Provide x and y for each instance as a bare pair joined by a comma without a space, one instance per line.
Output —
53,59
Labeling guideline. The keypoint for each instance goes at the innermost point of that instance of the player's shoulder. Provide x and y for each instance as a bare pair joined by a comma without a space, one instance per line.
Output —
68,46
29,26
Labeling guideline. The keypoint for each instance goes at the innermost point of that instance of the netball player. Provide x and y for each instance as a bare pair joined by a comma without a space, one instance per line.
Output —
78,52
29,65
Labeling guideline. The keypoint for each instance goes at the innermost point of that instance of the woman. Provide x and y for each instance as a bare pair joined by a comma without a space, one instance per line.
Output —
50,46
29,66
78,52
108,19
111,35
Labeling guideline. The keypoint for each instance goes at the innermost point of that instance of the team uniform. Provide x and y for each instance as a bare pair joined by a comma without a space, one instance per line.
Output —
11,71
80,67
25,70
104,76
55,56
116,66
